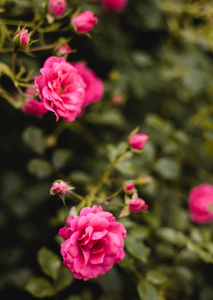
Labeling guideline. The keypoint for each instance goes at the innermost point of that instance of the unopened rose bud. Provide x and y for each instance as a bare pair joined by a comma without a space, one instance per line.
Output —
129,187
84,22
117,99
58,188
137,205
144,180
21,38
138,141
63,50
57,7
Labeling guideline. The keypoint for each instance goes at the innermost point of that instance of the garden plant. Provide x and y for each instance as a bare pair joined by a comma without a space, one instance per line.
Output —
106,149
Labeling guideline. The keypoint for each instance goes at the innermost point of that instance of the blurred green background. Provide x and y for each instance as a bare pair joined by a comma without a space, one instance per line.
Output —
158,56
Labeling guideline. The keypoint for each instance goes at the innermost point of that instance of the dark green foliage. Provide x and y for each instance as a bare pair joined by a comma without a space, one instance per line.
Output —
158,56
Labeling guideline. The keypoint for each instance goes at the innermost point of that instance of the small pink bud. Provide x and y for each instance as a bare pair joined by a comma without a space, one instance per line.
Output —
58,188
57,7
117,99
129,188
21,38
84,22
144,180
63,50
138,141
137,205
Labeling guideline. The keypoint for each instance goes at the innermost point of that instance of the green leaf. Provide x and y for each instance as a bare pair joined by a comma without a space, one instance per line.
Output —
156,276
172,236
49,262
168,168
64,279
6,70
147,291
34,138
137,249
204,254
39,168
60,157
40,287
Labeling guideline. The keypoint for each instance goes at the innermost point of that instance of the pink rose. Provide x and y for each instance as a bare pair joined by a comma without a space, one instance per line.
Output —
33,106
94,86
63,50
129,187
61,88
115,5
94,242
58,188
201,203
138,141
137,205
21,38
57,7
84,22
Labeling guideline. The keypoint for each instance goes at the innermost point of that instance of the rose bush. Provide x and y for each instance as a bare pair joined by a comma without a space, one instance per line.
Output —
94,243
154,59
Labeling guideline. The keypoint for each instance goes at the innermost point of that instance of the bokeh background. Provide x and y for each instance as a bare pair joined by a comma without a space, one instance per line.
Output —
157,56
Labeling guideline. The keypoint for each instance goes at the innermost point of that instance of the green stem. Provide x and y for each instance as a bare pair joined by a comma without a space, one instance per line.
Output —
135,271
115,194
106,173
77,196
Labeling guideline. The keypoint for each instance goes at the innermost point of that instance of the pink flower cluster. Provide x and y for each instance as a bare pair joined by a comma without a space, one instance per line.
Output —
201,203
94,242
66,88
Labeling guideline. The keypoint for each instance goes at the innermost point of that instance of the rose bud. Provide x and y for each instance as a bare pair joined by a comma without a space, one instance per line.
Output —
56,7
137,205
138,141
21,38
84,22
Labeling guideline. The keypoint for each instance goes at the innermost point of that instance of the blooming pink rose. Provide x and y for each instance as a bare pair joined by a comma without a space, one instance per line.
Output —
138,141
63,50
201,203
58,187
61,88
21,38
84,22
33,106
137,205
94,242
94,86
115,5
57,7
